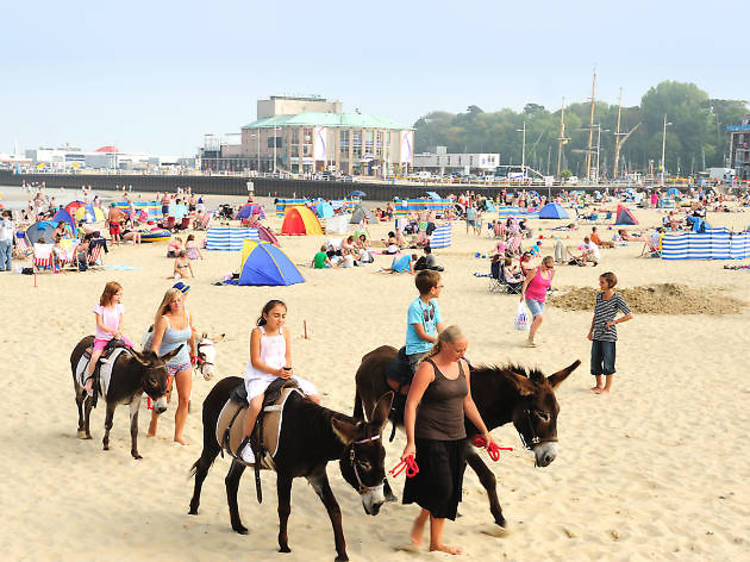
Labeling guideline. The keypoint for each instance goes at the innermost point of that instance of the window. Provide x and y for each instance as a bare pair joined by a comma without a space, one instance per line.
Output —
307,135
357,138
344,140
271,141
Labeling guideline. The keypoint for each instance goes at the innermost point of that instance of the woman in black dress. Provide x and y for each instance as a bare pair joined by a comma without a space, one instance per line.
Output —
439,397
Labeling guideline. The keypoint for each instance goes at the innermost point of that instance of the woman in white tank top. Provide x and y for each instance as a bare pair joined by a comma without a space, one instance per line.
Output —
270,358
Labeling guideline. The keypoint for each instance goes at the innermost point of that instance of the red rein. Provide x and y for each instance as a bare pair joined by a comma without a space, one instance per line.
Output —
492,449
408,464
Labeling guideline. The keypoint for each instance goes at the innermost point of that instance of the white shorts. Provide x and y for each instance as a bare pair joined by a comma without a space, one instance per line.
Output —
257,385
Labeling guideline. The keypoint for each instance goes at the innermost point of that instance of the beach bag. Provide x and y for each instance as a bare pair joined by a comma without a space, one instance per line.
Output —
521,321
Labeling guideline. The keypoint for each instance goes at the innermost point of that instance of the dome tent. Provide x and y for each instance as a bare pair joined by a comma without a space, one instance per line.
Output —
265,264
553,211
299,221
250,209
324,209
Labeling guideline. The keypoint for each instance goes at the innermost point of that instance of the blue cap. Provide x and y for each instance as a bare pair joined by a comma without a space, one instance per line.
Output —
182,287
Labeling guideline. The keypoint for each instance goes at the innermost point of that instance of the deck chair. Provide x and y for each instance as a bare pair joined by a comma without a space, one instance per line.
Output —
95,257
66,254
205,221
652,248
44,258
169,225
185,224
22,248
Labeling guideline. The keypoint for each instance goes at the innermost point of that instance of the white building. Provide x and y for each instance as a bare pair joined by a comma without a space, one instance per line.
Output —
441,161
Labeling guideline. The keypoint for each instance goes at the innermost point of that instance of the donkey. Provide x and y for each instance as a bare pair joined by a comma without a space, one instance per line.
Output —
502,394
311,435
132,374
206,355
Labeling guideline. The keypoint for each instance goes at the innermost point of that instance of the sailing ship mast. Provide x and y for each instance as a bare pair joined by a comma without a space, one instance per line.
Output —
561,140
590,146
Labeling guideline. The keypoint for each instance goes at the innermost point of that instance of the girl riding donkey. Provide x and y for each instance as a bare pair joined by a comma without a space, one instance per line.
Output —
108,314
270,357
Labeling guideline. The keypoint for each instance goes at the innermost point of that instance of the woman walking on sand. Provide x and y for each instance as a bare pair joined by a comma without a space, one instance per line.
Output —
439,398
534,292
603,334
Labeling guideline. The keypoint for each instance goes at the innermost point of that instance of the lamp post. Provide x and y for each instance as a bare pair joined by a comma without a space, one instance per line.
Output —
523,151
663,147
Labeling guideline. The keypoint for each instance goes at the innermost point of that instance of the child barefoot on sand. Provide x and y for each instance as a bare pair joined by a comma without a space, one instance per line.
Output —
603,334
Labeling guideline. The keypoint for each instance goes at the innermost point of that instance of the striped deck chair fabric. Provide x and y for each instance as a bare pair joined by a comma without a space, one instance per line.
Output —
44,258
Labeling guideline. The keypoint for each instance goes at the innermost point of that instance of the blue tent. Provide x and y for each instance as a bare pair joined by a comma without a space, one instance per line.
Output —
324,210
250,209
489,206
64,216
673,192
433,195
553,211
265,264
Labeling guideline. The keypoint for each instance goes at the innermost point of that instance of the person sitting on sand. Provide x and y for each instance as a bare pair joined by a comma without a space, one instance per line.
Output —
438,401
402,264
392,245
590,252
182,266
598,241
174,246
321,259
603,334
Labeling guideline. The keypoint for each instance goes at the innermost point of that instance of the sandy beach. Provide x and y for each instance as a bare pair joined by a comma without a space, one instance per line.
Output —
650,472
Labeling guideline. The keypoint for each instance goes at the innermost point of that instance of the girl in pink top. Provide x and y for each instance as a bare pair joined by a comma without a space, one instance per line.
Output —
108,313
534,292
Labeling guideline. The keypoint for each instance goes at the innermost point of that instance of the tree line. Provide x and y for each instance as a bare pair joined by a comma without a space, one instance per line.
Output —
696,139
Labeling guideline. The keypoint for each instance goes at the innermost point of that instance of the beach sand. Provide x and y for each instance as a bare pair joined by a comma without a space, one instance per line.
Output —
650,472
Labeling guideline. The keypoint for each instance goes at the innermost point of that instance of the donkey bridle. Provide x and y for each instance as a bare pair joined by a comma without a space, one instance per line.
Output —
363,488
535,439
201,357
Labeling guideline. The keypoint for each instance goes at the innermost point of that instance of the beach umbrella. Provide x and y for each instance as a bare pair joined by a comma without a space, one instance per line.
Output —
356,193
433,195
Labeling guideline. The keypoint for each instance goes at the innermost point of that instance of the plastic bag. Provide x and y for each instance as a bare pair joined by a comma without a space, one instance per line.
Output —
521,321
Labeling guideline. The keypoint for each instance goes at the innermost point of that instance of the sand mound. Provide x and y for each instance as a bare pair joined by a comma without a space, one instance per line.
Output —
664,298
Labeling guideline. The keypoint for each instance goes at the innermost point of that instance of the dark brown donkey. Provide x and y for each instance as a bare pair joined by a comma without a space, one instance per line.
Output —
132,374
502,394
311,435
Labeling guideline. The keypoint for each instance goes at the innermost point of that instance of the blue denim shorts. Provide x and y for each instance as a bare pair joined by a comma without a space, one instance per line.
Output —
535,307
603,355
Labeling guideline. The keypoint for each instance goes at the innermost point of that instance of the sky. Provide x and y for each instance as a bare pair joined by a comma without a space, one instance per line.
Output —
156,76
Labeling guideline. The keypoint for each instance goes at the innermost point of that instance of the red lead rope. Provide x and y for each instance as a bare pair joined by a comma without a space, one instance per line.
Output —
492,449
408,464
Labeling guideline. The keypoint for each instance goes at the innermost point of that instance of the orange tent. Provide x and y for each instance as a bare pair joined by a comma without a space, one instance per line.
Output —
299,221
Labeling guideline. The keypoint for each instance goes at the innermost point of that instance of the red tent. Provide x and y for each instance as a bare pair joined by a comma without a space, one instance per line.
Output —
624,216
73,206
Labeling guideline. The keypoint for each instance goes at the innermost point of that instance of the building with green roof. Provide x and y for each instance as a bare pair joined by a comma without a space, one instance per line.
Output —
309,134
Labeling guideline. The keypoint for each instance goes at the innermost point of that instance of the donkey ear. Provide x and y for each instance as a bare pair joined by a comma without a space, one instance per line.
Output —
167,356
218,339
524,386
140,357
204,335
557,378
382,409
344,430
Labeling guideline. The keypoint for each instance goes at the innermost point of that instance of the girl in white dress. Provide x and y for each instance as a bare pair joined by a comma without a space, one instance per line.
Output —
270,358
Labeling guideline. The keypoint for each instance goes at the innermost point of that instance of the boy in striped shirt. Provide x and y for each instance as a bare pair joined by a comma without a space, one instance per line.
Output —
603,334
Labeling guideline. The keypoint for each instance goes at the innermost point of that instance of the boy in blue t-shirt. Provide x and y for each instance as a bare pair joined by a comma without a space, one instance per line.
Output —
423,317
